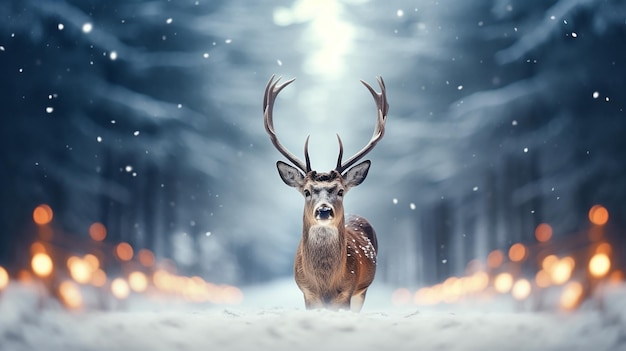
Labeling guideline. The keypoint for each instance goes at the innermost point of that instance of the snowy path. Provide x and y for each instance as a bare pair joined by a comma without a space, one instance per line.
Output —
24,327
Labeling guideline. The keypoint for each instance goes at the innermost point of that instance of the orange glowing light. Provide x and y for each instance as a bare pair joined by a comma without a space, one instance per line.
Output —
517,252
41,264
543,279
503,282
80,270
119,288
521,289
616,277
124,251
599,265
93,261
97,231
561,270
138,281
401,296
98,278
37,247
548,262
146,257
70,295
4,278
604,248
495,258
598,215
571,295
42,214
543,232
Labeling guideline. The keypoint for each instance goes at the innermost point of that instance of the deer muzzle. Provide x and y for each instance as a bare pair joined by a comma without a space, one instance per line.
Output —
324,212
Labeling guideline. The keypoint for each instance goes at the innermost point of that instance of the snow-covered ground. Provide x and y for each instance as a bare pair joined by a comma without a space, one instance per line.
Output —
272,318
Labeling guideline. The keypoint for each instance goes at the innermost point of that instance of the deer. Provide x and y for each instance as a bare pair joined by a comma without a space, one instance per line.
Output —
335,260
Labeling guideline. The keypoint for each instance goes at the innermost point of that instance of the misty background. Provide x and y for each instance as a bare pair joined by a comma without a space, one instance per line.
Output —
146,116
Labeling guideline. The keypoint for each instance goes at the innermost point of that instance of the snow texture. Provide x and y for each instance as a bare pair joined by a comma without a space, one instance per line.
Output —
255,325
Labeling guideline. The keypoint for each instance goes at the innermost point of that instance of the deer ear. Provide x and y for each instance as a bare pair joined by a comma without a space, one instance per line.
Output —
356,175
290,175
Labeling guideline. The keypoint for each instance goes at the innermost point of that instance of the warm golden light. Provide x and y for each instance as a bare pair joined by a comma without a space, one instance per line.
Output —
99,278
599,265
37,247
97,231
517,252
124,251
543,232
604,248
561,270
119,288
4,278
571,295
495,258
70,294
478,282
80,270
138,281
521,289
503,282
426,296
146,257
598,215
42,214
93,261
401,297
543,279
548,262
41,264
616,277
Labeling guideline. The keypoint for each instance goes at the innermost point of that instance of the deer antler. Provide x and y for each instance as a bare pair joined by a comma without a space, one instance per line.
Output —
379,129
271,91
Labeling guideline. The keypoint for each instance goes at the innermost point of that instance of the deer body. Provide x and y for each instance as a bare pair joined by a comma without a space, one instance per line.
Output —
336,259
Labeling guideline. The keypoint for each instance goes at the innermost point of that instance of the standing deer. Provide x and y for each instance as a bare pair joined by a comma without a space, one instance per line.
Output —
336,259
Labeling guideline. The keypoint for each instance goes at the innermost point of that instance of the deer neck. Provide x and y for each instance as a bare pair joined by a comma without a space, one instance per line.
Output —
324,248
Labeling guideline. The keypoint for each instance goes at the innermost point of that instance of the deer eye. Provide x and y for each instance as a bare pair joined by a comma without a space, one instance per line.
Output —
340,192
307,193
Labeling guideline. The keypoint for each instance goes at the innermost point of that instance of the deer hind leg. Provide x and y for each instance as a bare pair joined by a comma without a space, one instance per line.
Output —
357,300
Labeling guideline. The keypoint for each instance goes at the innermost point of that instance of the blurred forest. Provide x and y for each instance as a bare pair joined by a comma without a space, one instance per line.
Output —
146,116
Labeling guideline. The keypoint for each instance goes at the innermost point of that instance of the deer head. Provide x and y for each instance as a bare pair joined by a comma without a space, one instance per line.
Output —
324,192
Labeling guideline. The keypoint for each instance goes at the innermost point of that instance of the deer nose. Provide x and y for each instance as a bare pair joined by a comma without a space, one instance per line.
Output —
324,212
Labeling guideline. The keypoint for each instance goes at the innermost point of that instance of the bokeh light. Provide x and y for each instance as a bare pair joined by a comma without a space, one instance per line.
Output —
598,215
503,282
97,231
119,288
138,281
543,232
561,270
124,251
70,295
521,289
42,214
543,279
495,258
80,270
4,278
146,257
571,295
99,278
41,264
517,252
599,265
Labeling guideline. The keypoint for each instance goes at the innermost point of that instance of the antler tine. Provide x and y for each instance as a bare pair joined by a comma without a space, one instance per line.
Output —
271,91
379,129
